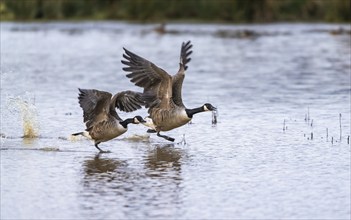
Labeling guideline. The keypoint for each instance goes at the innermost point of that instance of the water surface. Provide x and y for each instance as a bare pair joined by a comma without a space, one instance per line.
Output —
262,78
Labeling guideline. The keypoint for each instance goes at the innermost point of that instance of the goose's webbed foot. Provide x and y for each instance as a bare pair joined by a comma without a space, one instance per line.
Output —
165,137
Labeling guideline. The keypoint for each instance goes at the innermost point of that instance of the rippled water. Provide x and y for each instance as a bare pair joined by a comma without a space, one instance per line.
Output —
262,78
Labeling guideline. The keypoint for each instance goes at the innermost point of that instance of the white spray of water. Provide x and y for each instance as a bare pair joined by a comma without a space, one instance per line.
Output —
25,107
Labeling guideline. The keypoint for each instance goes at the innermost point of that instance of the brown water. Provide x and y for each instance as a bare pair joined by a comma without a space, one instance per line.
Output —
291,76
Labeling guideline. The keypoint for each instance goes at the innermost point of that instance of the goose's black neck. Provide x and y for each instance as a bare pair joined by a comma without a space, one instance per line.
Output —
126,122
191,112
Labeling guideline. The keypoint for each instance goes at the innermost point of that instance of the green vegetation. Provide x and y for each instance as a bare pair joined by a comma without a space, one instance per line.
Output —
166,10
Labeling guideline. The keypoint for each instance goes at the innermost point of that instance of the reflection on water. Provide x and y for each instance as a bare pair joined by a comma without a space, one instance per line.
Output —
163,157
101,165
100,171
153,186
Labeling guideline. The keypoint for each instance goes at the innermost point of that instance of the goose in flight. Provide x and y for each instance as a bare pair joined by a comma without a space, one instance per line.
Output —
100,116
162,92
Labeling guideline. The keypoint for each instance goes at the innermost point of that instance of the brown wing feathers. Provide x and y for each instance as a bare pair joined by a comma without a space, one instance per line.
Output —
95,105
185,52
143,73
128,101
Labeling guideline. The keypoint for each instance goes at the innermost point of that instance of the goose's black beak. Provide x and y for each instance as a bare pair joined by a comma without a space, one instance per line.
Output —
210,107
139,119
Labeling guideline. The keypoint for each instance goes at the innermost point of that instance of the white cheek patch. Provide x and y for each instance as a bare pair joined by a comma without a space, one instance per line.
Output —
149,123
136,121
205,108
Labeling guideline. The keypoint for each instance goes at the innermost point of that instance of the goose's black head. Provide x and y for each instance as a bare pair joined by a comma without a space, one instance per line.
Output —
205,108
138,119
208,107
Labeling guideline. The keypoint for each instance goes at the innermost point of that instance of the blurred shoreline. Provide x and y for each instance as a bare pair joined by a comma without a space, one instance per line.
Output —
180,11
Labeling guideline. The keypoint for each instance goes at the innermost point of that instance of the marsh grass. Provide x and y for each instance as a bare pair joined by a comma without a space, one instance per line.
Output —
313,132
182,10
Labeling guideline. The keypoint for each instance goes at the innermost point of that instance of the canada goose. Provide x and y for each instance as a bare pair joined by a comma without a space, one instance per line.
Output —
162,92
100,116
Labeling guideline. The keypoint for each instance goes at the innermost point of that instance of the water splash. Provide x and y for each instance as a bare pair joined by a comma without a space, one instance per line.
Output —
75,138
137,137
214,117
25,107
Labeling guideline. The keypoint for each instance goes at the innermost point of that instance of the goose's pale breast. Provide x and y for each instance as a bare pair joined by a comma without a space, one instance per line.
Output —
107,130
166,120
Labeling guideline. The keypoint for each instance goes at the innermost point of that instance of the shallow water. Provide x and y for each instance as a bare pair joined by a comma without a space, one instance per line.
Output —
276,151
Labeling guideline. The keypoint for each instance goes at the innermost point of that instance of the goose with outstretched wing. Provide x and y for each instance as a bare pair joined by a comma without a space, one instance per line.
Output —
100,116
162,92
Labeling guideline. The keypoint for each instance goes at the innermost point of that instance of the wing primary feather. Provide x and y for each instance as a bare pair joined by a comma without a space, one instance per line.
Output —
185,52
